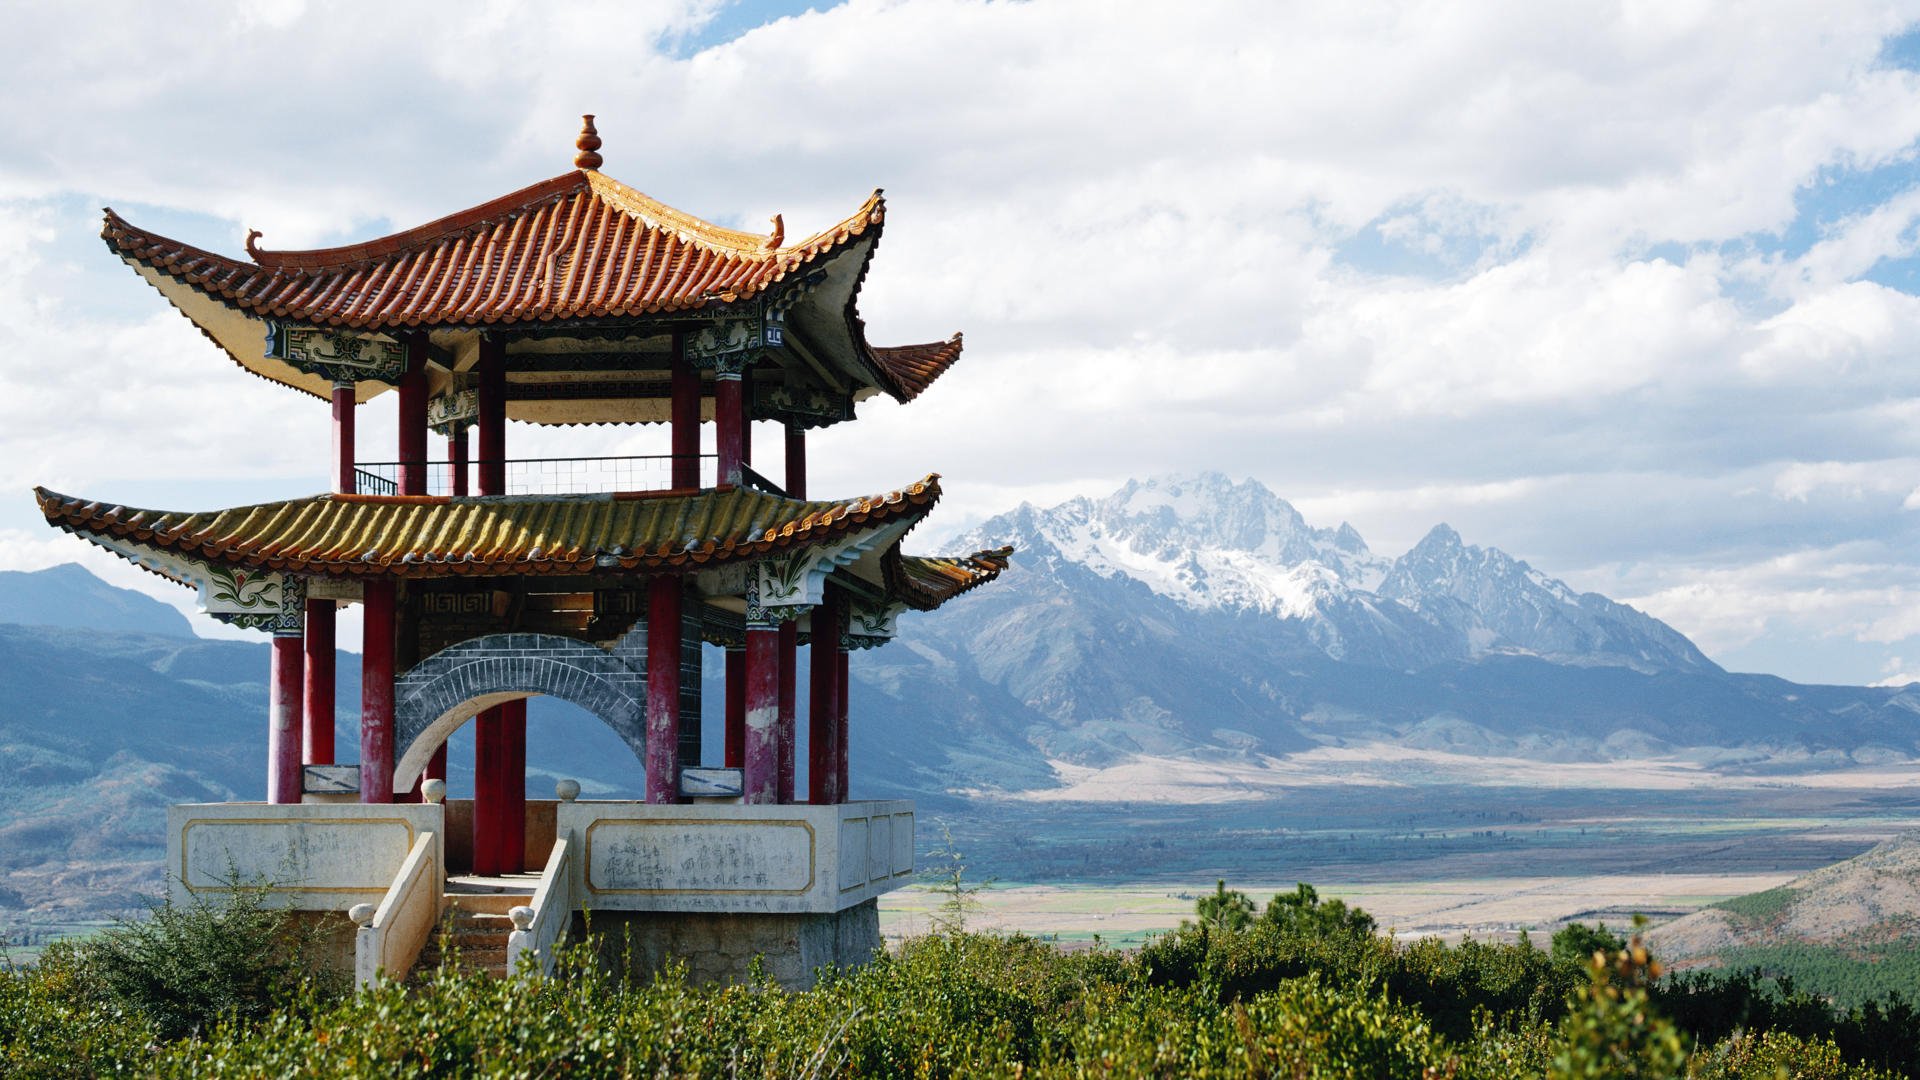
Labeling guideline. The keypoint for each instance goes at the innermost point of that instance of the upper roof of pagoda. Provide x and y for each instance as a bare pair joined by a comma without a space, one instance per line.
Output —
581,245
578,264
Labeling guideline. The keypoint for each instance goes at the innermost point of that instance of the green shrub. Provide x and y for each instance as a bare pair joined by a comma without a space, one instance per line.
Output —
1775,1054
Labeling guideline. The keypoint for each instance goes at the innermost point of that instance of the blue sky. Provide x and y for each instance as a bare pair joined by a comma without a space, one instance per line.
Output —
1631,292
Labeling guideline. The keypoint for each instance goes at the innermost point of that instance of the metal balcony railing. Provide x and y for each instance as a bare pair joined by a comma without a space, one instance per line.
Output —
539,476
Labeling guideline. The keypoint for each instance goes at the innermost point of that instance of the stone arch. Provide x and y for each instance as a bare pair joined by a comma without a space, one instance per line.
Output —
443,691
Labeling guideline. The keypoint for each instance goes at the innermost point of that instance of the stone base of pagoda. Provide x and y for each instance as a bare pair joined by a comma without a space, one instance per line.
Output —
710,884
722,948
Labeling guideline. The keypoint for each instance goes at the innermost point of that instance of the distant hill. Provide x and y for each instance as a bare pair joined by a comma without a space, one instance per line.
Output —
1850,931
67,595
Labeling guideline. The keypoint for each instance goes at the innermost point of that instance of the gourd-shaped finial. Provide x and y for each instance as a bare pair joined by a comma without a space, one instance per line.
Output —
587,143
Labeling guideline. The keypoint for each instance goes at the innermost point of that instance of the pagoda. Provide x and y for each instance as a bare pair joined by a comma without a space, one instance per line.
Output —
482,579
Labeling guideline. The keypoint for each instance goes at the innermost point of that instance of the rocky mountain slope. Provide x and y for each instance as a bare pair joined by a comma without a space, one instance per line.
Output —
1868,900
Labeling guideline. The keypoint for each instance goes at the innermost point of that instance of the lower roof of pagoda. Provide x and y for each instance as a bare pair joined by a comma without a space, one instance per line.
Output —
420,536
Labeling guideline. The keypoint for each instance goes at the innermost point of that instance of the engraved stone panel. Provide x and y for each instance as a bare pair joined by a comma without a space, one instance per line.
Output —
314,856
691,856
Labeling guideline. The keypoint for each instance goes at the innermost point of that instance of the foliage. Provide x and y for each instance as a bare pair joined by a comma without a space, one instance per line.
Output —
1226,909
1302,911
1575,943
1848,977
1760,906
187,966
1775,1054
1307,992
1613,1029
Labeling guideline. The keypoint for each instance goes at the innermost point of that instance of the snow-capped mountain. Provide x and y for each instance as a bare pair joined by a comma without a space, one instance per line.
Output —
1209,544
1203,620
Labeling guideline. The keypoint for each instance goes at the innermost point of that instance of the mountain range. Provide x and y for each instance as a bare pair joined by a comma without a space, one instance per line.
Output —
1175,632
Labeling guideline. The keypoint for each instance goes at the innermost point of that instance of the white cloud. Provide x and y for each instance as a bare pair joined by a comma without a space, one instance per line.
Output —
1150,221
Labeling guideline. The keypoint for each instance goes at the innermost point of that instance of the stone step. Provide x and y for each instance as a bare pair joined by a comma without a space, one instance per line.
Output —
487,903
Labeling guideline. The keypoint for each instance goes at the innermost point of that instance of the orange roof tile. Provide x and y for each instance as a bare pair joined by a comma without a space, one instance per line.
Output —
440,536
914,367
580,245
927,582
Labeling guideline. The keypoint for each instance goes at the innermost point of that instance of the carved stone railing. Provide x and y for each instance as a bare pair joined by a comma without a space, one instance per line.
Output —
539,926
391,936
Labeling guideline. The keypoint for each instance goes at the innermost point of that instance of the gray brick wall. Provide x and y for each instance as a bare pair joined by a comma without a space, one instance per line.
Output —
612,686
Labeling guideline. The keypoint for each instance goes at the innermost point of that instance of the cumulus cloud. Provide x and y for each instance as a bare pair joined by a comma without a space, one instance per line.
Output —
1548,272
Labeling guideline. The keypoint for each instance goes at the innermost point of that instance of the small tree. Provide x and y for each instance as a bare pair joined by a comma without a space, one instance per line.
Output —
1226,909
1575,943
947,878
1303,912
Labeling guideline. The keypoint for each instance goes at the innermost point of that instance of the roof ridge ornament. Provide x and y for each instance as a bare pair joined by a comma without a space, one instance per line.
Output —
779,235
587,143
253,249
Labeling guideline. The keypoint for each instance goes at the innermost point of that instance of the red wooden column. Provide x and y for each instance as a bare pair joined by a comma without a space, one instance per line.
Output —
413,418
789,724
376,694
457,460
761,764
343,402
498,741
735,728
487,782
492,421
663,689
786,728
513,794
729,440
840,731
686,417
317,673
823,708
283,720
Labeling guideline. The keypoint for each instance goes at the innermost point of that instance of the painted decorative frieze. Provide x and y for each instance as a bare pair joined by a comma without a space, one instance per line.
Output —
803,408
335,355
870,626
457,407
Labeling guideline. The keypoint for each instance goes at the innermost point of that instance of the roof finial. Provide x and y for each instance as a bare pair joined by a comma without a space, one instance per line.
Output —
253,248
587,143
779,232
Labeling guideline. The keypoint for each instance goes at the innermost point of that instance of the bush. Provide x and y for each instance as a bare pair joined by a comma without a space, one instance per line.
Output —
185,967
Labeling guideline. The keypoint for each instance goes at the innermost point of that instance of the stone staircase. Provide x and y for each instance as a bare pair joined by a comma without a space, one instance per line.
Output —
474,925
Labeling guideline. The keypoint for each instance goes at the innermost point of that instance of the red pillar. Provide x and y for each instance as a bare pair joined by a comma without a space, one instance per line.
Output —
788,727
823,711
436,765
663,690
492,421
840,732
489,761
376,694
413,419
343,402
761,764
736,717
317,671
796,461
796,482
283,720
686,418
728,439
513,786
457,460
